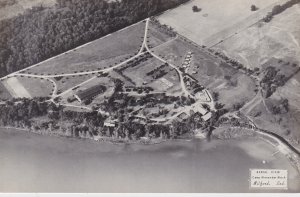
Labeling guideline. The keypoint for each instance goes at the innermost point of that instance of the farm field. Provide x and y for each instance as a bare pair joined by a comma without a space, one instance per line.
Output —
99,54
279,38
15,7
217,20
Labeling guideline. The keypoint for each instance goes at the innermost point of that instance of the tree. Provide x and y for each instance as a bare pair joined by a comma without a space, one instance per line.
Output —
196,9
215,96
254,8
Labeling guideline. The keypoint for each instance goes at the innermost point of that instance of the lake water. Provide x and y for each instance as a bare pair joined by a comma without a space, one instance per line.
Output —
33,163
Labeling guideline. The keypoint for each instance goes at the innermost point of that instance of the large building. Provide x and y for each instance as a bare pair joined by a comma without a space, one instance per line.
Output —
89,93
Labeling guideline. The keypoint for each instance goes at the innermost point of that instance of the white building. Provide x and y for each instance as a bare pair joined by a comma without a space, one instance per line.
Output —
207,116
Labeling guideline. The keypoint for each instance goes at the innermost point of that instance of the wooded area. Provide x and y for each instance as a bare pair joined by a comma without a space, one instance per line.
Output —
41,33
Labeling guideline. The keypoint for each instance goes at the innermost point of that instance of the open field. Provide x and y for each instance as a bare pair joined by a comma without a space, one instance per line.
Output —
65,83
217,20
279,38
158,35
138,74
37,87
99,54
174,52
16,88
19,6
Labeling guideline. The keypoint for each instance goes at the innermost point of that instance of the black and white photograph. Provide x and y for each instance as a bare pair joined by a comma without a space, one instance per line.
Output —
150,96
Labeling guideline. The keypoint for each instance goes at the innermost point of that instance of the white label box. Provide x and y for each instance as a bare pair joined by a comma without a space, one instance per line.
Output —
268,179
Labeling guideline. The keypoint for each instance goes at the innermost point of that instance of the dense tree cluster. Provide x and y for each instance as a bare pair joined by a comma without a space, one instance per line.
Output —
277,9
254,8
20,112
41,32
44,117
5,3
271,80
196,8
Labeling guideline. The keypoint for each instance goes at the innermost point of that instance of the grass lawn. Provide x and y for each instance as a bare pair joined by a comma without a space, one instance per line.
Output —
37,87
157,35
99,54
139,73
66,83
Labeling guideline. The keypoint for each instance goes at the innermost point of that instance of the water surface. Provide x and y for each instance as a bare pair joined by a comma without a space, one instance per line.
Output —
33,163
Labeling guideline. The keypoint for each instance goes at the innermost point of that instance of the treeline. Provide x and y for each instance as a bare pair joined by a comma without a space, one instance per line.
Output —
41,33
278,9
233,63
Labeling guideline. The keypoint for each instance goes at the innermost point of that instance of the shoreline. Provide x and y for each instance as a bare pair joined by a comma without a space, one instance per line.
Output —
174,150
109,140
282,147
290,154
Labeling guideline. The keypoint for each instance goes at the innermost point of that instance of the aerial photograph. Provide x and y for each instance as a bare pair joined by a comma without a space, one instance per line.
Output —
149,96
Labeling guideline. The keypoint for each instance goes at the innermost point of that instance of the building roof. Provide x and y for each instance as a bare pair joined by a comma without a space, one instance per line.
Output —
90,92
207,116
201,109
109,124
